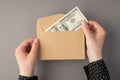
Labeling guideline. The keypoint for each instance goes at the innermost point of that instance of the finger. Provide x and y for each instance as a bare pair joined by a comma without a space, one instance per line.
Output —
25,44
95,24
86,29
98,27
34,49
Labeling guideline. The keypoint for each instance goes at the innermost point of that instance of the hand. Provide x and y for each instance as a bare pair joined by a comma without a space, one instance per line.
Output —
95,36
26,55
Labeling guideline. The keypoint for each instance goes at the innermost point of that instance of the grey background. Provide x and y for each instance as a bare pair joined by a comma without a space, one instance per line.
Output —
18,22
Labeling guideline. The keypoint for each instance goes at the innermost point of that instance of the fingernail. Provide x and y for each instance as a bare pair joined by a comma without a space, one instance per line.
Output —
36,40
83,23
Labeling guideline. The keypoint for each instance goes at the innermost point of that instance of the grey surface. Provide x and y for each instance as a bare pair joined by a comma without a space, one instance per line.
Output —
18,22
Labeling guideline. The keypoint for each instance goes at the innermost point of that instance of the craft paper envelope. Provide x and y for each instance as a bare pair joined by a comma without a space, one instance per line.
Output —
62,45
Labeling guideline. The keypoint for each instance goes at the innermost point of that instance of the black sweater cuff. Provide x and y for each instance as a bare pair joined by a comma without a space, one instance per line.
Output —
27,78
97,71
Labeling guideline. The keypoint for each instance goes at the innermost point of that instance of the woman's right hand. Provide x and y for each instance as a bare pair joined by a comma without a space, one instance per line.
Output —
95,36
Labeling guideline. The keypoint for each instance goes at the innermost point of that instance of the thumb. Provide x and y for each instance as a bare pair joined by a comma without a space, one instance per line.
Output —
34,49
86,29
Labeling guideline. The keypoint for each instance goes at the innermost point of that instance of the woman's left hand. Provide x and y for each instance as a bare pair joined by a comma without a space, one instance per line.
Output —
26,55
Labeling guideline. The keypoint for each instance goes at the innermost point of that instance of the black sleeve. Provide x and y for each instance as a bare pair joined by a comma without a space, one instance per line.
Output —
27,78
97,71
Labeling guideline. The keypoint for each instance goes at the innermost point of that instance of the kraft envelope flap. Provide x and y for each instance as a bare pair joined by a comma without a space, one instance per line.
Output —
63,45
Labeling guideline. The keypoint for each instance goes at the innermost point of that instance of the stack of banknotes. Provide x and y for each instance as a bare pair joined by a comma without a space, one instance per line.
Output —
69,22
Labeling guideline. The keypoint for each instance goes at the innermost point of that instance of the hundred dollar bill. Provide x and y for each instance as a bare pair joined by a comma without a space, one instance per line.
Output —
69,22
